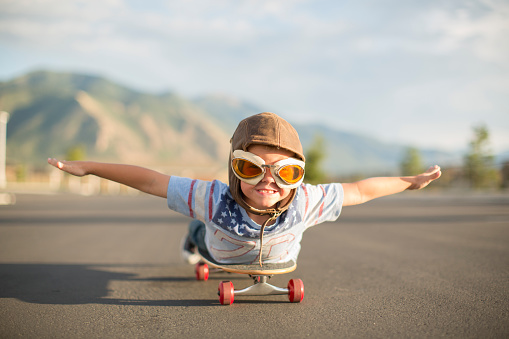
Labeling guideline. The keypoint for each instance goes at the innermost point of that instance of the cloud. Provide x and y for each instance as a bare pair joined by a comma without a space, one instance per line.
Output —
227,21
53,23
298,25
355,64
483,32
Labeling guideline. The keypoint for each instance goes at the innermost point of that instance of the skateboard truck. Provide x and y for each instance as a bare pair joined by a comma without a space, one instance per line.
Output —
261,287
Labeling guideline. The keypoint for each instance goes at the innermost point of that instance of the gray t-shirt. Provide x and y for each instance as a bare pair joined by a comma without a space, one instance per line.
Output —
232,237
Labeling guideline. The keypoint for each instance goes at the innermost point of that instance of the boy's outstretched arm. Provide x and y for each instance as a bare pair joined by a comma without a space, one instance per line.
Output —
142,179
368,189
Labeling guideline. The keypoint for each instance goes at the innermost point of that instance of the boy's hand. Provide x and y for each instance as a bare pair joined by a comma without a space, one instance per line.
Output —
76,168
424,179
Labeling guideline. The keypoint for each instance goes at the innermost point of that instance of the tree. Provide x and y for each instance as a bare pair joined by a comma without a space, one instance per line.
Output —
314,159
412,162
505,175
77,152
479,161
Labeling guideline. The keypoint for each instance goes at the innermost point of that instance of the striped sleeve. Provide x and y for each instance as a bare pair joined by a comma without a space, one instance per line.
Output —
321,203
191,197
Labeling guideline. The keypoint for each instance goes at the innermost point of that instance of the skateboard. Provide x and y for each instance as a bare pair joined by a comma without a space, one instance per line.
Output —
260,275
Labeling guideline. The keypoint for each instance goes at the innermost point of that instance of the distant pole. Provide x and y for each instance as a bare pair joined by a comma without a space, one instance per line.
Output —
4,117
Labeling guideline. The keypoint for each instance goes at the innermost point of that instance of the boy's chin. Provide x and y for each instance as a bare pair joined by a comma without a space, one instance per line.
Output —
267,207
264,202
261,205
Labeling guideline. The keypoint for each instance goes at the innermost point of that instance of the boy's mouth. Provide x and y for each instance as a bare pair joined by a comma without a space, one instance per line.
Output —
267,191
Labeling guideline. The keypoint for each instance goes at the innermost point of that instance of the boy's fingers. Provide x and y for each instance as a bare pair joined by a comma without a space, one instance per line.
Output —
436,173
55,162
433,169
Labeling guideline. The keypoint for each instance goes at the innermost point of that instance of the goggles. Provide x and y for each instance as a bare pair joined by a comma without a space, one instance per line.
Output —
250,168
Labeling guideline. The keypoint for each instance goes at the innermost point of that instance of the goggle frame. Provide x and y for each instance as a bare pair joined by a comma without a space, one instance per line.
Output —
274,169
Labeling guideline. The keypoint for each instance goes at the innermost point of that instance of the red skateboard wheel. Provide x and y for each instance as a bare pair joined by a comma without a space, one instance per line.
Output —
226,292
202,271
295,290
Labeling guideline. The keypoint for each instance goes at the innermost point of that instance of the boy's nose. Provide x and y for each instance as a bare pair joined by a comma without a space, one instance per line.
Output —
268,176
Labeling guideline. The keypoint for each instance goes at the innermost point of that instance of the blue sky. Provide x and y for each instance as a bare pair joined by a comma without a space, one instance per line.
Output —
418,72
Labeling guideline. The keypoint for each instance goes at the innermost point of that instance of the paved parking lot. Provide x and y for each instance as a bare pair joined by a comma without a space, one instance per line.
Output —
413,265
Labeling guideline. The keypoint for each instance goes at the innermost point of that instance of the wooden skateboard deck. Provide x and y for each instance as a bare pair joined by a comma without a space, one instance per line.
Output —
251,269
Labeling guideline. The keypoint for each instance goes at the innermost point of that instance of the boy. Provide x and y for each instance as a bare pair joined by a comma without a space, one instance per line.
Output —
261,215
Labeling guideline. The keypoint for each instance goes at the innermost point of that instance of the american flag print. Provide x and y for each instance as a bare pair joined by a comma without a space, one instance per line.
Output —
229,217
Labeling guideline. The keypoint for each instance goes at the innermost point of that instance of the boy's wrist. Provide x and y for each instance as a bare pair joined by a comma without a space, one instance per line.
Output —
89,167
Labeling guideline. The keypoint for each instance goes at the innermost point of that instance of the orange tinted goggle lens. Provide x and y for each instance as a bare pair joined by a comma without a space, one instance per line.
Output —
291,173
246,169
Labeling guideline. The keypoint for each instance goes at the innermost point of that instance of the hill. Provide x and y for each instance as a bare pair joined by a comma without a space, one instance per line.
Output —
52,113
346,153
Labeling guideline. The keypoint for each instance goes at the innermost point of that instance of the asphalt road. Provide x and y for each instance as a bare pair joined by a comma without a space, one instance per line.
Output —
414,265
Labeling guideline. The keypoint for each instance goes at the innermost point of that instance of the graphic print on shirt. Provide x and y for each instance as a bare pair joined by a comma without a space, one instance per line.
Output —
271,251
244,247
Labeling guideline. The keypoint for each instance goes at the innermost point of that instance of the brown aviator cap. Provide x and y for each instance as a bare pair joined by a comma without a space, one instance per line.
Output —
263,129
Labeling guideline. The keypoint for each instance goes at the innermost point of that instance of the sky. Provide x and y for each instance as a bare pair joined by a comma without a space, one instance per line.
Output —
423,73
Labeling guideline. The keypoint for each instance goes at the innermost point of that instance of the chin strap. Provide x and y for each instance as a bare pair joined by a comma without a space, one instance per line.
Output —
273,212
272,217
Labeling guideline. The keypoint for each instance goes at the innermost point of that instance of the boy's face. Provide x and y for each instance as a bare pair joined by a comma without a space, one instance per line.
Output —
266,194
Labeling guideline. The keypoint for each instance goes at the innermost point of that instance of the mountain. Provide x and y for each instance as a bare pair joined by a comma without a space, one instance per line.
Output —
350,153
52,113
346,153
225,110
